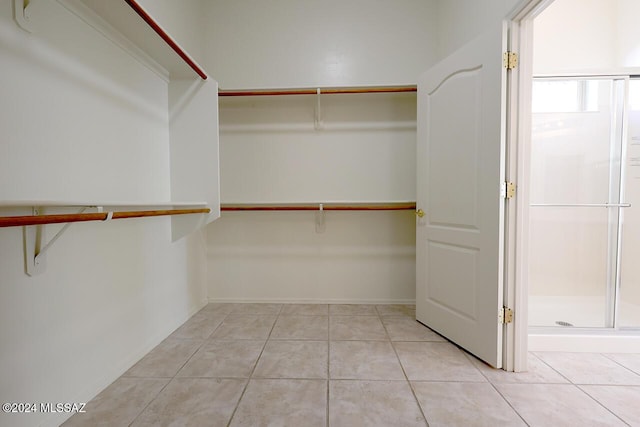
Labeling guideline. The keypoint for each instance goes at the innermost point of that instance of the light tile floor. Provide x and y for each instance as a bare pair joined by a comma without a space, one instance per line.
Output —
353,365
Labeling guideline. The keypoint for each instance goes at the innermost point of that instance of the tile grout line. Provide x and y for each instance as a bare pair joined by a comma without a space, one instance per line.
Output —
619,363
571,383
337,379
244,390
468,356
487,381
413,392
552,368
180,368
150,402
471,357
598,402
281,312
507,401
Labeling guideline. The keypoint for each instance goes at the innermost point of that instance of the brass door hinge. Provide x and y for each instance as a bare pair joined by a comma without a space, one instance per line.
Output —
505,315
510,60
509,190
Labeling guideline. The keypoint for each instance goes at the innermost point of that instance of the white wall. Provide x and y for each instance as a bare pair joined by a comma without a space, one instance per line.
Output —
460,21
602,35
628,43
72,96
82,120
270,151
184,22
278,256
365,150
290,43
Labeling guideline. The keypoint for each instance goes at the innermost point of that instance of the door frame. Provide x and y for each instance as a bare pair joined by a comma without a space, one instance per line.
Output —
517,340
520,40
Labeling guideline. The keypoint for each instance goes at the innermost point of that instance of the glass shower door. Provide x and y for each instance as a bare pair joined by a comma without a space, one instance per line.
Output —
629,288
575,198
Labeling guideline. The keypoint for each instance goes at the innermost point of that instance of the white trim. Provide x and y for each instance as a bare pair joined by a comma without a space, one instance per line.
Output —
312,301
527,10
305,250
519,132
588,343
514,352
521,114
606,73
525,29
509,347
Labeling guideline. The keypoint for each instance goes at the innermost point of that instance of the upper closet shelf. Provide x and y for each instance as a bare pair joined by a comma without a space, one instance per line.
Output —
112,203
130,19
318,91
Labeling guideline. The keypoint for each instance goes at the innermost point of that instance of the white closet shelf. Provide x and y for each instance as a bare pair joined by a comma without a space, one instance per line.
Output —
26,220
77,203
131,20
318,91
326,206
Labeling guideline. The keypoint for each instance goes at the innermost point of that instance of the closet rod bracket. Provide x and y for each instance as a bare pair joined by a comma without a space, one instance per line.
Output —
35,250
321,225
32,236
21,14
317,122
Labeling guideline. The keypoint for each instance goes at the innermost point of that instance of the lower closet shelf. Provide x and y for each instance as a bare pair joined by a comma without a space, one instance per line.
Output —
365,206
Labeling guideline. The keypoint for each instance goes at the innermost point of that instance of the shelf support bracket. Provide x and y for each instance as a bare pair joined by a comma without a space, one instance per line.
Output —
32,236
321,225
317,123
34,250
21,14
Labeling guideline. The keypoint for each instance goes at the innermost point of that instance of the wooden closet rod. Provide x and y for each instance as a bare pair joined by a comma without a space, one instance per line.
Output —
166,37
16,221
316,207
323,91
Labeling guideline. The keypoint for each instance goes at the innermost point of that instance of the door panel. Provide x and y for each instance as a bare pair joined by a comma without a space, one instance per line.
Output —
452,272
460,159
456,203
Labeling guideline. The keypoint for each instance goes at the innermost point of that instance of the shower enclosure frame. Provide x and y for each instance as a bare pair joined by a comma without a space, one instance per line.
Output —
618,120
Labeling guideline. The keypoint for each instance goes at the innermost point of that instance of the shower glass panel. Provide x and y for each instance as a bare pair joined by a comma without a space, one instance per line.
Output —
629,295
575,201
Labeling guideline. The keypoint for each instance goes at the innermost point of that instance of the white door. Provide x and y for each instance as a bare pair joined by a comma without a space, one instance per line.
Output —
461,164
